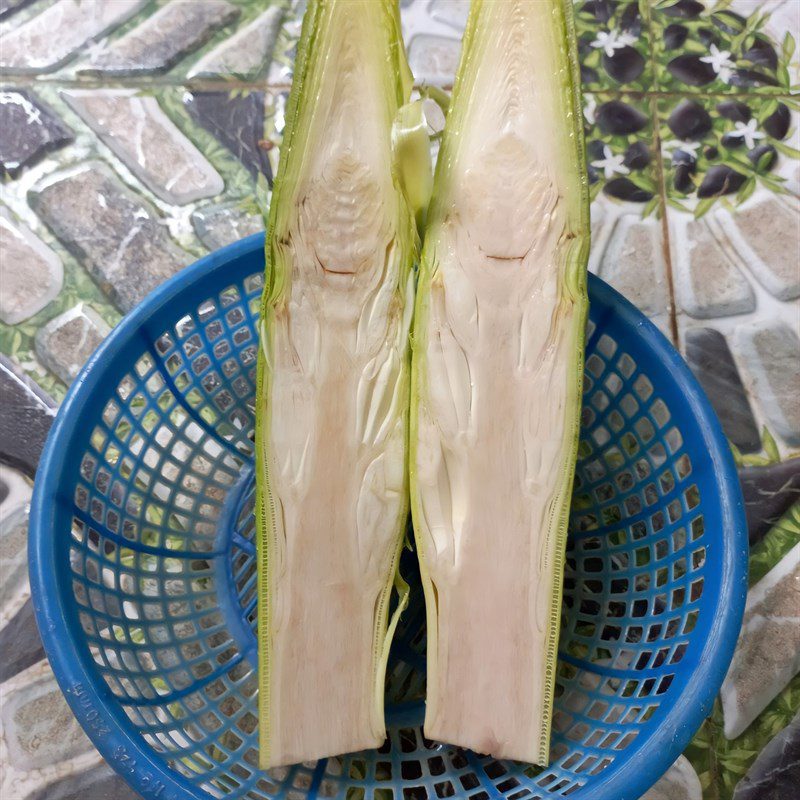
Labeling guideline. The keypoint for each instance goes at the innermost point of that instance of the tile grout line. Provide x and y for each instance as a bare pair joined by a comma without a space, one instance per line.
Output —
652,104
665,235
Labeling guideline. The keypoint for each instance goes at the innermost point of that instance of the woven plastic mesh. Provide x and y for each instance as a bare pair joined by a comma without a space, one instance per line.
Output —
162,577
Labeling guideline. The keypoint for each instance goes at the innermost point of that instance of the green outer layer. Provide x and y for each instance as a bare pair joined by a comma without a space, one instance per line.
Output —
275,283
576,284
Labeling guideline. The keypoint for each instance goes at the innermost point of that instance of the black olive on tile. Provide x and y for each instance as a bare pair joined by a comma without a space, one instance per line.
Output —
720,180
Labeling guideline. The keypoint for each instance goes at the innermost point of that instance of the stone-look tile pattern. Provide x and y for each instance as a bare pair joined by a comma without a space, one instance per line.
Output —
8,7
31,274
13,561
450,12
162,40
773,353
711,361
766,235
66,342
101,783
633,262
245,55
769,492
775,775
20,643
434,59
149,143
768,652
679,783
40,729
238,122
26,414
14,591
39,735
219,225
30,130
708,283
50,39
117,235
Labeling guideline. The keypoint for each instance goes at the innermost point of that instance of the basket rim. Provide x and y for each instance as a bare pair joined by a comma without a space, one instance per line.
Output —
102,717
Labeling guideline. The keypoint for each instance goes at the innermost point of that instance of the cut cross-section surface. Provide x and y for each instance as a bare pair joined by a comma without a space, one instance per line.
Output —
498,348
334,390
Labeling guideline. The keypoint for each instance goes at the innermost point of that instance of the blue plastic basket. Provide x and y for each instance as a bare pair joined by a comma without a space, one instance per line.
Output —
143,570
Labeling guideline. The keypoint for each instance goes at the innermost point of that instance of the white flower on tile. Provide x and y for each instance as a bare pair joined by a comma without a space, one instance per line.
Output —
748,131
668,148
721,63
611,164
612,40
590,110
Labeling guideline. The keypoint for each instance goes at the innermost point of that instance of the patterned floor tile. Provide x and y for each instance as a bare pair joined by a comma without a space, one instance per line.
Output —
768,652
735,269
42,738
224,144
719,150
620,147
628,251
614,45
717,76
721,47
28,46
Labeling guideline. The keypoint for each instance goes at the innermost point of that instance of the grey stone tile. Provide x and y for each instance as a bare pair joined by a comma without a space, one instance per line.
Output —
66,342
768,652
31,274
766,235
20,643
237,121
219,225
148,142
26,414
118,235
768,494
679,783
711,361
246,54
434,59
16,490
13,553
30,130
8,7
633,263
772,353
34,47
163,39
39,727
775,774
100,783
14,588
451,12
708,282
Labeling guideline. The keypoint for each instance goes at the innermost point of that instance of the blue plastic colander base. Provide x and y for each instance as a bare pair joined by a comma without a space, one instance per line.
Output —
144,579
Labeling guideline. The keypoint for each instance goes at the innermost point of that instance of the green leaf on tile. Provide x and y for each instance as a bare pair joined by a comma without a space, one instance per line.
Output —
770,445
788,46
748,187
787,150
704,206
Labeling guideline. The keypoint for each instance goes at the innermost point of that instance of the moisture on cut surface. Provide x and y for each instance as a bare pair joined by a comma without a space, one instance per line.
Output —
497,372
334,392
